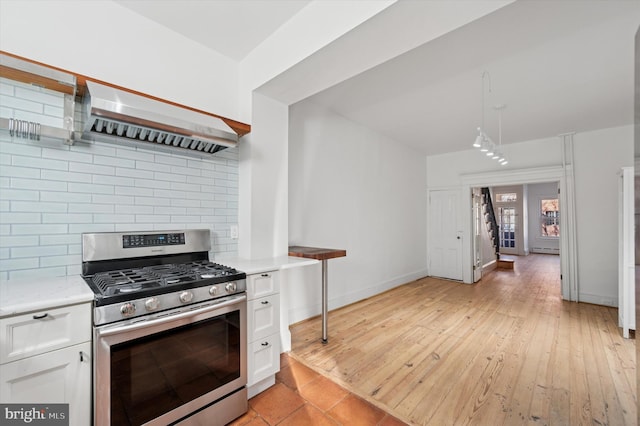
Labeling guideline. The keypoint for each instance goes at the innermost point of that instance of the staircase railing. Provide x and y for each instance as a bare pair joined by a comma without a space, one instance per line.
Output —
490,220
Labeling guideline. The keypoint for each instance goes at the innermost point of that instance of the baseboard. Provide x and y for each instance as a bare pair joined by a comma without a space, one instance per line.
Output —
309,311
488,267
597,299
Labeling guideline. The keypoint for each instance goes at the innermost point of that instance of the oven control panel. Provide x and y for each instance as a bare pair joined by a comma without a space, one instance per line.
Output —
152,240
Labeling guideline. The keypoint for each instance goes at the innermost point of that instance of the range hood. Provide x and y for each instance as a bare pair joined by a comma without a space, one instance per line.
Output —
114,115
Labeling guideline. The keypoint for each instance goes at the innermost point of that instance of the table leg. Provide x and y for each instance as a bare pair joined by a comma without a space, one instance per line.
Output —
324,302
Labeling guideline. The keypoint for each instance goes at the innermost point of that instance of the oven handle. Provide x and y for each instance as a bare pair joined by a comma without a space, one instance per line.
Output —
170,318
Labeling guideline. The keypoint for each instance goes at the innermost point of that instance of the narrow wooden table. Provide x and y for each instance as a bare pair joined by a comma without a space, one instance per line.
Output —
322,254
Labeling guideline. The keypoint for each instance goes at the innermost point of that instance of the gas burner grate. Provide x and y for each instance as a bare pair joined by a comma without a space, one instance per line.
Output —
131,280
125,281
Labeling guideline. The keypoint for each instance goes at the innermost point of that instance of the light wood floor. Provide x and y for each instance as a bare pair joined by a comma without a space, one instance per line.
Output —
506,350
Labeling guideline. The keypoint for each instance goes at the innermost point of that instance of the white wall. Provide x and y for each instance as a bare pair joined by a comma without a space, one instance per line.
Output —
106,41
263,182
353,189
595,185
538,243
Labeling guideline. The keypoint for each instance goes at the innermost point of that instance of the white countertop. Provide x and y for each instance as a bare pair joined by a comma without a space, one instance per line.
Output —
257,266
38,294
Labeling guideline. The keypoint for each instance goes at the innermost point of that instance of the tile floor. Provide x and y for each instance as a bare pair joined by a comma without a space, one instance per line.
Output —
303,397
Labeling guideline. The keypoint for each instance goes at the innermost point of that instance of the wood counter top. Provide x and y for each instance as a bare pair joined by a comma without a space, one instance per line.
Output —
316,252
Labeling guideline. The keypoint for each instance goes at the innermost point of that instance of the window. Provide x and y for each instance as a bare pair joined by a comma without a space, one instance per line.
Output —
550,217
509,197
507,226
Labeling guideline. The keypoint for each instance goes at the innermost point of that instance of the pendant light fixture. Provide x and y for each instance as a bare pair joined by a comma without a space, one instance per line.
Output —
484,142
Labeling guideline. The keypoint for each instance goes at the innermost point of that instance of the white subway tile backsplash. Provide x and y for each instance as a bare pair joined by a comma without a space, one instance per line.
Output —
39,95
186,219
92,169
128,190
121,208
31,206
64,153
135,227
113,180
66,197
18,241
165,159
152,201
152,218
53,111
90,188
90,208
25,263
150,183
20,172
115,161
38,229
60,239
185,187
168,193
15,194
37,273
112,199
80,228
36,251
63,176
113,218
94,148
18,104
19,147
66,218
169,177
40,163
185,203
37,184
144,165
169,210
69,259
133,154
134,173
185,171
51,194
10,217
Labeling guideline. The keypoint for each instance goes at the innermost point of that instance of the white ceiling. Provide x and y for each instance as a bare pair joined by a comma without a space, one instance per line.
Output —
559,66
231,27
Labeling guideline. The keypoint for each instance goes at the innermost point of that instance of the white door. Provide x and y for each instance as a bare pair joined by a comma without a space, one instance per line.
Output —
445,236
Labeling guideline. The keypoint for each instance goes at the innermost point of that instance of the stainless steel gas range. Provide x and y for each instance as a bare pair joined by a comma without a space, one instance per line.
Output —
169,330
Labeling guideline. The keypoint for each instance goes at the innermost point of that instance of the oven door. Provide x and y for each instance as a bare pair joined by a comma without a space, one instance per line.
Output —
162,368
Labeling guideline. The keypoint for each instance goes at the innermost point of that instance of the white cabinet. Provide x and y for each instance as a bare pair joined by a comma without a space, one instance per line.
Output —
45,357
263,330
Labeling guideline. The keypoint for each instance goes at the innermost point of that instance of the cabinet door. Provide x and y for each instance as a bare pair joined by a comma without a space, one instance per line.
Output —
61,376
264,358
31,334
260,285
263,317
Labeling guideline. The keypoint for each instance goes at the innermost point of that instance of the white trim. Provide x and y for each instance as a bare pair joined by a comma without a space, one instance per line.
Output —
568,255
626,253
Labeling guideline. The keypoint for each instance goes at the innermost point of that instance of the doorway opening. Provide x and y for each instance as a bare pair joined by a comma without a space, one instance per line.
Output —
528,220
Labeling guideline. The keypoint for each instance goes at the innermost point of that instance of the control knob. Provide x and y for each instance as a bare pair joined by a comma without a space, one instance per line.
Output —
186,297
127,309
152,303
231,287
213,290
